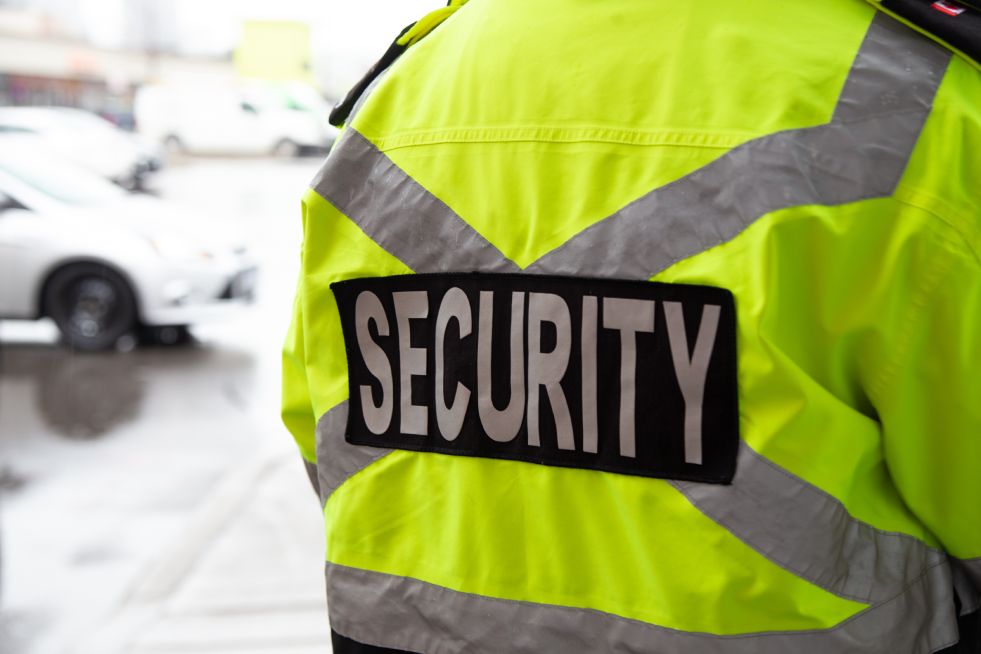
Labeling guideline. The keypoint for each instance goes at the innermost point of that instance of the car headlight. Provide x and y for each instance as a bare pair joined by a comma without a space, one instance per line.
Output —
172,247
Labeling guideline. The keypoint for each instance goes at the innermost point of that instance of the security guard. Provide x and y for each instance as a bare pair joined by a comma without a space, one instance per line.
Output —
647,326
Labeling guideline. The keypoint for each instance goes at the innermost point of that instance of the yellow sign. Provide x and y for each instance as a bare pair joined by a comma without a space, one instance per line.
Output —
274,50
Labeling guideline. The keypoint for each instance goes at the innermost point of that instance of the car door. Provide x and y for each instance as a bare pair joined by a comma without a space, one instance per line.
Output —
21,258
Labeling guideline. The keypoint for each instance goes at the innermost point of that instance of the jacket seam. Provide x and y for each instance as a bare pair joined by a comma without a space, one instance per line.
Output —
706,139
924,201
682,137
915,310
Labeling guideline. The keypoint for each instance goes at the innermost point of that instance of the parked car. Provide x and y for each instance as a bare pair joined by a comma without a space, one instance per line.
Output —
283,120
102,262
87,140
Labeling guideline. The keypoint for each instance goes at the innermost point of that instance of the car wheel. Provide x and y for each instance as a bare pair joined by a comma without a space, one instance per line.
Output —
92,305
286,149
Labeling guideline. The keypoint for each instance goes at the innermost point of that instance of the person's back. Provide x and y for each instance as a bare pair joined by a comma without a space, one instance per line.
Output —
793,471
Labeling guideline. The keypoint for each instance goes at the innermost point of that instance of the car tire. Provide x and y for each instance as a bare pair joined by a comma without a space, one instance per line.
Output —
92,305
286,149
165,335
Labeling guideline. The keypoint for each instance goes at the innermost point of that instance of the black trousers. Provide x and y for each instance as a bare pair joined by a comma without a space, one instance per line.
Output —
970,643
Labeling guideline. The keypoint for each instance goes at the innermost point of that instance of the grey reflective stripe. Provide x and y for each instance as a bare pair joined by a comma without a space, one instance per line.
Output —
810,533
860,154
398,214
313,474
871,87
336,458
408,614
967,583
973,569
792,523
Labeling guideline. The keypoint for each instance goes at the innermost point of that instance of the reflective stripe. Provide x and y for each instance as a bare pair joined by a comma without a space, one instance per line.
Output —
810,533
967,583
398,214
878,73
789,521
860,154
336,458
404,613
973,569
313,474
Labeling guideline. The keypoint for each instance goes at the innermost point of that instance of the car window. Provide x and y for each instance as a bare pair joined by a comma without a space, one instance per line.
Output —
14,129
8,201
298,97
80,120
63,182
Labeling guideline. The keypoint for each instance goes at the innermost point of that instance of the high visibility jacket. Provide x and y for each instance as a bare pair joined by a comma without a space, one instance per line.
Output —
818,163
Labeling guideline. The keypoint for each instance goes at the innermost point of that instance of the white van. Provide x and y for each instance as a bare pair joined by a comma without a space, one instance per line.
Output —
279,119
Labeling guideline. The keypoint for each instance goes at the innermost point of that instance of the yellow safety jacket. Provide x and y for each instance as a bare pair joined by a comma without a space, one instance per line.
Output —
774,447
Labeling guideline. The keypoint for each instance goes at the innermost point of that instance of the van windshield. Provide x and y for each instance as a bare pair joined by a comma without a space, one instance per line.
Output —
299,97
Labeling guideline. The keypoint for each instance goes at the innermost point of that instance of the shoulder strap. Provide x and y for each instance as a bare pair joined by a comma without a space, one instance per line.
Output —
406,38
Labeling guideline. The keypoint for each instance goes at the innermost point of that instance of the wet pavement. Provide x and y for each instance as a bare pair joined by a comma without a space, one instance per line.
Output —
114,466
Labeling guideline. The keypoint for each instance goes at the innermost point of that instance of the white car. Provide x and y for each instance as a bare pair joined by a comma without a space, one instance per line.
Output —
102,262
260,119
87,140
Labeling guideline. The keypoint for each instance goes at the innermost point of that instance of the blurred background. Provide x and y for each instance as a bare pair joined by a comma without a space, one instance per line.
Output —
152,158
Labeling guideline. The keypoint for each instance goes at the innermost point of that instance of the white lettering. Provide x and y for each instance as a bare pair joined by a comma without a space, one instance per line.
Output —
590,431
691,373
412,360
628,317
455,305
547,368
501,425
369,308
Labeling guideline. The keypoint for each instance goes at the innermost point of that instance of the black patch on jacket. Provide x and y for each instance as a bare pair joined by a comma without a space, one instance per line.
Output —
637,378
